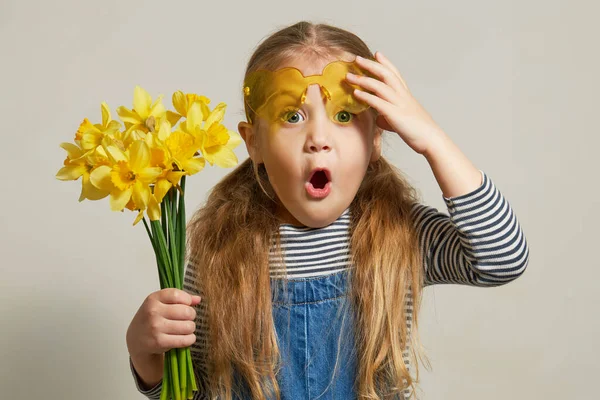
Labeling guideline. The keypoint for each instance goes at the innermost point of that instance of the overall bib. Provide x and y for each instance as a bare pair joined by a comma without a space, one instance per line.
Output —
309,315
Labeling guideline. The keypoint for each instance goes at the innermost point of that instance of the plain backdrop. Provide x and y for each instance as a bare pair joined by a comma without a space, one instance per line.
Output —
515,85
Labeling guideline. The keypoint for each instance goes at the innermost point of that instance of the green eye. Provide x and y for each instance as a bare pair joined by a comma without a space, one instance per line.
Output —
348,118
287,113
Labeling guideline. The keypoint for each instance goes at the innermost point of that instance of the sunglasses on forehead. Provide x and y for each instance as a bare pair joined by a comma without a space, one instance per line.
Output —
270,93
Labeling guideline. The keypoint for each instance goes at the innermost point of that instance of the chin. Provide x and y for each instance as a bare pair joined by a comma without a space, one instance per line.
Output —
318,218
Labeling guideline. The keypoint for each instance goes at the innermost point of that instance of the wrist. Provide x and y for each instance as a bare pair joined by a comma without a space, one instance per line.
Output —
437,143
149,371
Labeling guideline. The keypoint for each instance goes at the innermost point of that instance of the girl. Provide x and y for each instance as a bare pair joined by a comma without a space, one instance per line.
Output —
311,256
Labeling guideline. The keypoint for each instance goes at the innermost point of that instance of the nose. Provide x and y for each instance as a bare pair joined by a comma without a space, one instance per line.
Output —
317,147
317,137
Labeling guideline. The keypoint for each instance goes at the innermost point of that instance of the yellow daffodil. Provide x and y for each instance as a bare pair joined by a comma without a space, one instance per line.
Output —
89,136
182,103
76,165
128,177
182,148
153,210
145,115
214,140
174,153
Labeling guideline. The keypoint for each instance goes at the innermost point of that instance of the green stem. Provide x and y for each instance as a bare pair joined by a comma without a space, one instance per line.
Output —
173,245
168,238
163,216
162,251
188,354
161,268
181,227
148,231
182,369
166,387
176,246
174,374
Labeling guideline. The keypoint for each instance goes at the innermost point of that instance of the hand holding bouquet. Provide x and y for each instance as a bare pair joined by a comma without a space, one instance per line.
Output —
142,167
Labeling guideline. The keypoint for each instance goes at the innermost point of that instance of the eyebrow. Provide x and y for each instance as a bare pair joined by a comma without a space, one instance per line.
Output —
285,92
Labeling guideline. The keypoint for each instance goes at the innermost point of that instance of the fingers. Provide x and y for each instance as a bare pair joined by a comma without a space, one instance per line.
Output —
172,327
176,296
165,342
375,86
178,312
385,61
385,71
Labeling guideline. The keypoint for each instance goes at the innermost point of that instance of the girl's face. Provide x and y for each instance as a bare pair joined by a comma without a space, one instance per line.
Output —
314,137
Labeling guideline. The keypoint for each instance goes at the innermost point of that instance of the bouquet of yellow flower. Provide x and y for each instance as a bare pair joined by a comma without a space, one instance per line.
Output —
143,167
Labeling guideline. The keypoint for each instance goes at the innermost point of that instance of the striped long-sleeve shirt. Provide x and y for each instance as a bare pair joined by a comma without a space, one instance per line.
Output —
478,243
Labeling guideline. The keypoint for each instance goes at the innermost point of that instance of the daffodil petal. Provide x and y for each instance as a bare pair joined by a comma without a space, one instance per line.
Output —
101,178
150,174
70,172
131,205
140,155
194,165
91,192
128,116
158,156
114,153
96,155
119,198
112,127
180,102
165,129
91,139
140,195
153,209
234,140
161,188
157,109
105,113
141,102
139,217
172,117
175,176
224,157
216,115
73,151
204,107
194,117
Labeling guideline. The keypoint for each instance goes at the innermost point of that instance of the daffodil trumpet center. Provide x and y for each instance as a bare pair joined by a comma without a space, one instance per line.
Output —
122,176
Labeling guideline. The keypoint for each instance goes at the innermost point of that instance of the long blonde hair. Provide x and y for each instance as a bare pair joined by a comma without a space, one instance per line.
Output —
229,239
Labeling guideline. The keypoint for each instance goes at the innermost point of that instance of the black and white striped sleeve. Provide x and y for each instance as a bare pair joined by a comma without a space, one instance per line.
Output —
480,242
152,393
198,350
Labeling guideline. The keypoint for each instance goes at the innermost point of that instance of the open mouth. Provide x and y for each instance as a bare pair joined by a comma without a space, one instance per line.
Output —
319,184
319,179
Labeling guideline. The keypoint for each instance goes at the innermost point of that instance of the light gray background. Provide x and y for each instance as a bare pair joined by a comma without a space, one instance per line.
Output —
515,84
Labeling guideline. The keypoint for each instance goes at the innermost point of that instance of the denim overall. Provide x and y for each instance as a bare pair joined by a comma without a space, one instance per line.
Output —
308,319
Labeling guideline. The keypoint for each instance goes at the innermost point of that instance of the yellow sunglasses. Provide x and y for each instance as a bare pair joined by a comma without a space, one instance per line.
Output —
271,94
